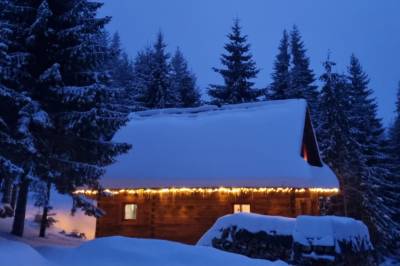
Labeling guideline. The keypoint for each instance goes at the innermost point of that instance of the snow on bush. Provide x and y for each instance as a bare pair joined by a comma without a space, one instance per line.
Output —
254,223
327,239
330,230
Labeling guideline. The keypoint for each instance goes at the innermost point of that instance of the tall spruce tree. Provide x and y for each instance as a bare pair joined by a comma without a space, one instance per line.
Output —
121,71
339,150
301,76
240,69
74,103
394,152
157,92
11,102
183,82
394,137
142,69
22,116
280,86
378,182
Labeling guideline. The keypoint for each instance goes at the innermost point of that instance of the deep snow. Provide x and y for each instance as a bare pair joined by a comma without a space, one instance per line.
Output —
59,250
122,251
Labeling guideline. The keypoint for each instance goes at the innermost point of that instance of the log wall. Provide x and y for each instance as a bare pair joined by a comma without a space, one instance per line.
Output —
185,217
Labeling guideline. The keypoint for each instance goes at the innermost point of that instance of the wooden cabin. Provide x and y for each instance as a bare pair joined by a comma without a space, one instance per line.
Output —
189,167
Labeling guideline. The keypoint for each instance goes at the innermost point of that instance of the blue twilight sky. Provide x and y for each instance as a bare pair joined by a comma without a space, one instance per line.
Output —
369,28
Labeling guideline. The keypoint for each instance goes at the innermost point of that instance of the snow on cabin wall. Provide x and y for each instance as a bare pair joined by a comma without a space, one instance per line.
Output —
251,145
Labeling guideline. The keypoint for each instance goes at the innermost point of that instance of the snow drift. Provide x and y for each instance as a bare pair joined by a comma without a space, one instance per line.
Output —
123,251
13,253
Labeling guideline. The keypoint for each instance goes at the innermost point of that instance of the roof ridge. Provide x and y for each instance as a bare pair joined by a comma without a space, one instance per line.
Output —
211,108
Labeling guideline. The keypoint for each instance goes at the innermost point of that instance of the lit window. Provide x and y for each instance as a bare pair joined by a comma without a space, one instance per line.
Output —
130,211
241,208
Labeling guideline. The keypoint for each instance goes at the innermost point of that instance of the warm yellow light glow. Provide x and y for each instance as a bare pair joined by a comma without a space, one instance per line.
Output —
230,190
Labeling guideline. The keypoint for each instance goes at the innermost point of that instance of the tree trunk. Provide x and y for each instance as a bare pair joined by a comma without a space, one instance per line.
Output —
19,218
43,221
14,196
7,188
346,213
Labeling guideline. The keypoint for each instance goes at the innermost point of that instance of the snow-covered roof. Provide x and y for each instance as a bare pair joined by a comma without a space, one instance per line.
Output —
242,145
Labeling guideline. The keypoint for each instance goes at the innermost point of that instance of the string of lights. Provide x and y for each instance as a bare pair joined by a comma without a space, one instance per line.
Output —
230,190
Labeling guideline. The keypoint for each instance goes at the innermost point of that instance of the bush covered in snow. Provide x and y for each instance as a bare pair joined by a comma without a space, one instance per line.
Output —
253,235
332,240
307,240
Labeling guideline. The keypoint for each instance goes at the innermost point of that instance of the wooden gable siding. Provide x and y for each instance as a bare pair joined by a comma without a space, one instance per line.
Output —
309,149
185,217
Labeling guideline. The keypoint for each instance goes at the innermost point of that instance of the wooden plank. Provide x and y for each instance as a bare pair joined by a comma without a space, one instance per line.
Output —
187,217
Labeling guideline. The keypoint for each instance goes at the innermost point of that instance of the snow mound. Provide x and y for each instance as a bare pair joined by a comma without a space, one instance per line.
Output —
305,230
123,251
254,223
13,253
330,230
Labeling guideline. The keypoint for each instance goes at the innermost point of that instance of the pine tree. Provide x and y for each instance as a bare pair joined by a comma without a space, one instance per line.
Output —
240,69
394,152
339,150
377,182
82,106
158,93
142,69
121,71
301,76
280,86
19,112
8,100
9,103
115,48
73,115
120,64
394,137
183,82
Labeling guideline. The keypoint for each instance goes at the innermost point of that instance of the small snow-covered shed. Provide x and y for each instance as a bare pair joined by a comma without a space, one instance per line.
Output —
190,166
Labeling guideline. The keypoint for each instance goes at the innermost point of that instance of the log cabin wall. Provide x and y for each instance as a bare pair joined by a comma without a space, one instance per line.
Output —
185,217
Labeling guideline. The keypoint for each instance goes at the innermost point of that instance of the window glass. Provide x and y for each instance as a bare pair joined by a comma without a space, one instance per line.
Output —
241,208
236,208
245,207
130,211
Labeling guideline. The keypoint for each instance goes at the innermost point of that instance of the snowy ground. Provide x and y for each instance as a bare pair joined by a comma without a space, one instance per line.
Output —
65,221
59,250
121,251
53,237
